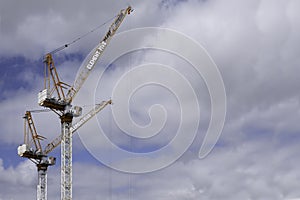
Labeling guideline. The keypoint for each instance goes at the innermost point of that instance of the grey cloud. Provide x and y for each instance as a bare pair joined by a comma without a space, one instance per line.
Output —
33,28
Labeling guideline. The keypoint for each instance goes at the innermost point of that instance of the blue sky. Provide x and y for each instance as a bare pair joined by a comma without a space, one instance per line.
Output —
254,43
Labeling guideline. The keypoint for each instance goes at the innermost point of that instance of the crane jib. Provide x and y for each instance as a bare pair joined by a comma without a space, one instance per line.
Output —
96,55
81,122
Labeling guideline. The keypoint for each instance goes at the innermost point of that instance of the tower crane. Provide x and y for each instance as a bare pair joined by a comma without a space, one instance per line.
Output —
58,97
32,148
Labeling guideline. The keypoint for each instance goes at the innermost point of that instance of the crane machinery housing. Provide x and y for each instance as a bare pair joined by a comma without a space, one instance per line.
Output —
53,97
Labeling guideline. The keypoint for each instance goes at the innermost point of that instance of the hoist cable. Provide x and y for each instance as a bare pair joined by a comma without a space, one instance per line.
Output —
82,36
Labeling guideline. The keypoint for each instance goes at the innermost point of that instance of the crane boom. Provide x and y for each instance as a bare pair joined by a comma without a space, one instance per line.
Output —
90,64
52,145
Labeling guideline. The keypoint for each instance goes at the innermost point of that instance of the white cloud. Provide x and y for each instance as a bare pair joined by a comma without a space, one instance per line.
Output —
18,182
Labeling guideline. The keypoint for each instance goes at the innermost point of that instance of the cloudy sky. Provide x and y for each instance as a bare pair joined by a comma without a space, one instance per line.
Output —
254,43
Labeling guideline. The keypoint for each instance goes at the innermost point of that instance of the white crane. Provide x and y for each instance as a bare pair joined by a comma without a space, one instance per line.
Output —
32,148
61,104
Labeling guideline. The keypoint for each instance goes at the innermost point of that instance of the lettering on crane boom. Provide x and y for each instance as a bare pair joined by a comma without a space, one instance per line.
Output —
96,55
